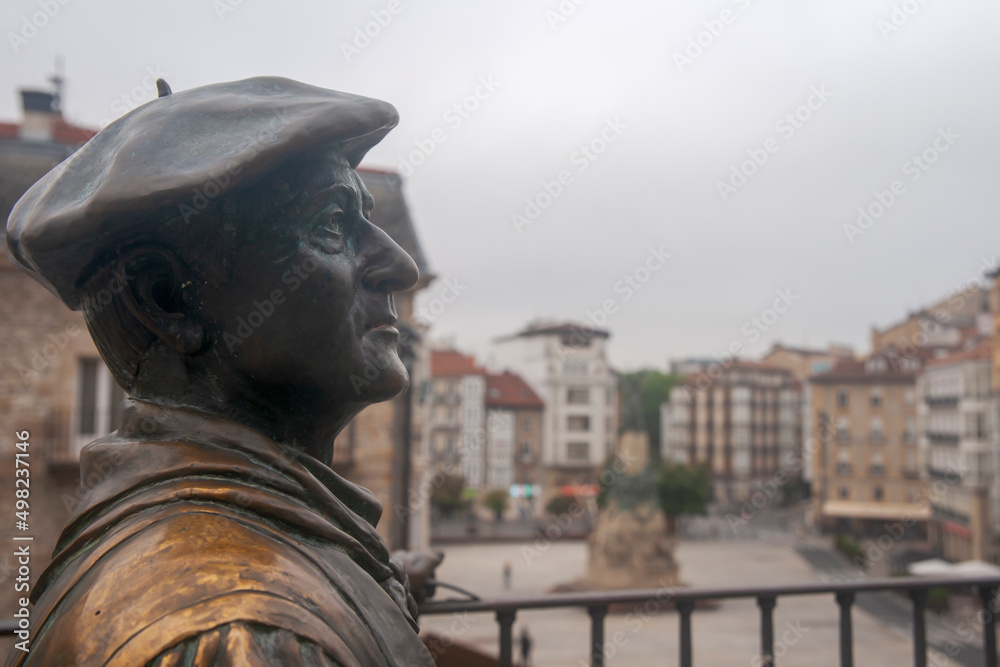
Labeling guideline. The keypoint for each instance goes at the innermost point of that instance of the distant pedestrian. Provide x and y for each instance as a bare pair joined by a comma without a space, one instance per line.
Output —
506,575
525,648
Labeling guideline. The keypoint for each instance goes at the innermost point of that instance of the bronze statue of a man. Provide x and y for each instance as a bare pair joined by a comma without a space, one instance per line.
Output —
217,241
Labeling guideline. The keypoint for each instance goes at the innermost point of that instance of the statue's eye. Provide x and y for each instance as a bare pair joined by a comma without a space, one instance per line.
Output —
332,224
328,231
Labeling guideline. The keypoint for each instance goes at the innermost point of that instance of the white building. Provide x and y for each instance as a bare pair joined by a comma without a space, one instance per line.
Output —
457,421
566,365
955,431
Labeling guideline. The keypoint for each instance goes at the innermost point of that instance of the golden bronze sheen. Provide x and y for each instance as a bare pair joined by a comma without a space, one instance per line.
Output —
217,241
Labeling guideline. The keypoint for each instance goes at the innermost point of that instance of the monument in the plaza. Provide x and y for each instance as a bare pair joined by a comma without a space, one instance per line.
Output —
217,241
629,546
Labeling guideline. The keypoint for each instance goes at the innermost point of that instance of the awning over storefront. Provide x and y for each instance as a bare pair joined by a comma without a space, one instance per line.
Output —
935,567
886,511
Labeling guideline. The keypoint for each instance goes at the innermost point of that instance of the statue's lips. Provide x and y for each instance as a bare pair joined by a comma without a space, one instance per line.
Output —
384,331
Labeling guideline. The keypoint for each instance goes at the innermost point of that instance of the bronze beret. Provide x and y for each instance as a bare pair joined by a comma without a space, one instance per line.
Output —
145,167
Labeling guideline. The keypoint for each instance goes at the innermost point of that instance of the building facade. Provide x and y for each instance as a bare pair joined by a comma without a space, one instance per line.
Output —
955,437
742,423
514,452
457,421
866,465
567,367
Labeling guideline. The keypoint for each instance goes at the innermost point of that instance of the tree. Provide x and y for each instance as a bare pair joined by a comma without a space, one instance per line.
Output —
683,490
448,496
654,391
560,505
497,501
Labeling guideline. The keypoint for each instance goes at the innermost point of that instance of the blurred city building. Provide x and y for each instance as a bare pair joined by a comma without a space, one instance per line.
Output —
514,451
740,418
866,459
457,422
566,366
804,362
944,323
955,438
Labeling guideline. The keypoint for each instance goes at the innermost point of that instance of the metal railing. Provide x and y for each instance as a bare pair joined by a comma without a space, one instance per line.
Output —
684,601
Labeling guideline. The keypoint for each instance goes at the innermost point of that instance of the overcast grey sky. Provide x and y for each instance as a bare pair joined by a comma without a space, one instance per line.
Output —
829,100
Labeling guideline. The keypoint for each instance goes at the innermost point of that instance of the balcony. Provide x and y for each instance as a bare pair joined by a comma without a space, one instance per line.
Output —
939,438
941,401
685,601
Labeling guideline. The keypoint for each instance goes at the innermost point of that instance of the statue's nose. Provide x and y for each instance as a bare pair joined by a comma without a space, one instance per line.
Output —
389,267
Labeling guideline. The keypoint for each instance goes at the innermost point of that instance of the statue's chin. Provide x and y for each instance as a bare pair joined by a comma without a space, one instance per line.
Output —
382,384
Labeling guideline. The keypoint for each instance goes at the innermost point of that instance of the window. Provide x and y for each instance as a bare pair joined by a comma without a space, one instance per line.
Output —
843,463
575,368
876,365
843,429
578,451
578,423
525,452
878,464
844,493
99,402
578,396
876,432
910,430
842,398
821,367
876,398
878,493
526,425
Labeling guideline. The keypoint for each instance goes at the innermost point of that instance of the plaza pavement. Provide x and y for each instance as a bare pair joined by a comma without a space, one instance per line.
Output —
806,627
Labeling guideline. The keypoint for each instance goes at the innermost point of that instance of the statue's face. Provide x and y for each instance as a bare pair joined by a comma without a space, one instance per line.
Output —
307,317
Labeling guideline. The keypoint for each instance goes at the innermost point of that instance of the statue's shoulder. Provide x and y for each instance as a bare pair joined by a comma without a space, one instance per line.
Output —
195,575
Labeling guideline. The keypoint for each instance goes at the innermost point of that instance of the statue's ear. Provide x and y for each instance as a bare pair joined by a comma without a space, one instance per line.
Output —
154,293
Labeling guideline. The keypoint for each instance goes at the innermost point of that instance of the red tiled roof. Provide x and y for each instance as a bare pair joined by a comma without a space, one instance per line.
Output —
508,390
449,363
64,133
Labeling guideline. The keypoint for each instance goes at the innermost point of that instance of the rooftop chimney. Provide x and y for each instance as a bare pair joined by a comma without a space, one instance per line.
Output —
41,110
